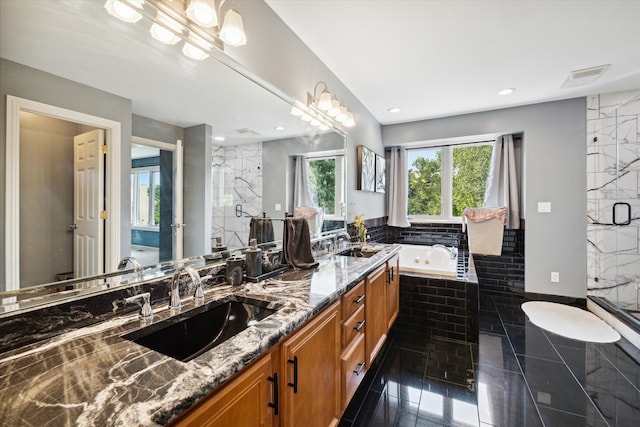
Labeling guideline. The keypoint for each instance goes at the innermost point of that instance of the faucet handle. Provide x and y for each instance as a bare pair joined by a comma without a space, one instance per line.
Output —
198,296
146,313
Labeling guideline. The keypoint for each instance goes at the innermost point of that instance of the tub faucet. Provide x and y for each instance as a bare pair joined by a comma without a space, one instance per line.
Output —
453,252
175,303
134,262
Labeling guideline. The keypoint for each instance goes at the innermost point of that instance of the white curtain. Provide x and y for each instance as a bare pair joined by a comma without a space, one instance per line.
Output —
398,188
302,193
502,183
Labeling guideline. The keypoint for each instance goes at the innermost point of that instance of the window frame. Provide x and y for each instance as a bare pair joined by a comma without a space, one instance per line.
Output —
446,181
338,199
135,172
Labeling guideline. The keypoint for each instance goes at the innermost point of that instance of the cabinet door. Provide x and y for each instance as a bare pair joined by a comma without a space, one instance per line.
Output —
243,402
375,310
310,368
392,290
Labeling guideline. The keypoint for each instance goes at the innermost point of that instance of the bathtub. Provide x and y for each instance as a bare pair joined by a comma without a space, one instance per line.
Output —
420,259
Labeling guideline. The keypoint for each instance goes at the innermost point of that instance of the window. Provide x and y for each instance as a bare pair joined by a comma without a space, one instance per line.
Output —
326,182
145,197
445,180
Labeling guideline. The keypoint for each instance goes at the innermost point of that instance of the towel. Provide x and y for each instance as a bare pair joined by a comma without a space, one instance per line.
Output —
261,229
482,214
296,244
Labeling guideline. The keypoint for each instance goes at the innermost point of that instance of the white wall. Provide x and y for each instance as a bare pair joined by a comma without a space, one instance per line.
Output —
554,171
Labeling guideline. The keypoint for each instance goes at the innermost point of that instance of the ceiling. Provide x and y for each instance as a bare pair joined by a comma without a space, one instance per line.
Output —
440,57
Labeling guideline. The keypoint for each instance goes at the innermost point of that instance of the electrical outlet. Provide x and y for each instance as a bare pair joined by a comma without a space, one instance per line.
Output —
544,207
555,277
278,207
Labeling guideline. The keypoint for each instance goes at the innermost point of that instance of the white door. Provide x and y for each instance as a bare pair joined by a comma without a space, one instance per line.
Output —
88,247
178,214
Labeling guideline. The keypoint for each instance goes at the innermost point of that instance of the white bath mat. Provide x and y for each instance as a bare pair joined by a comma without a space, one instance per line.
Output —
570,322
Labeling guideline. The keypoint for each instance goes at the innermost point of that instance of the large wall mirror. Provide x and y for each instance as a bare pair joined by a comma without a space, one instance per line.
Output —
195,149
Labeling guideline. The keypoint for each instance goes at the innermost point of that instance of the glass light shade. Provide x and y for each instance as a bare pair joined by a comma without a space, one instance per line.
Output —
305,117
342,116
315,122
124,12
295,111
323,127
191,51
203,12
349,121
324,104
232,32
165,29
335,108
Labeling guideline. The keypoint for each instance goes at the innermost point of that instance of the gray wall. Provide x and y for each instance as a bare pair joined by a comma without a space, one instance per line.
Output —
274,53
145,127
29,83
554,171
197,190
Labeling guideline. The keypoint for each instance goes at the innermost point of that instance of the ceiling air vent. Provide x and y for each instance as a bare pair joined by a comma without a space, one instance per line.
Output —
585,76
247,131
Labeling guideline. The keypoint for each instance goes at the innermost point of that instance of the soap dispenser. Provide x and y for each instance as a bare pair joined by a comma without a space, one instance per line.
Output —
253,259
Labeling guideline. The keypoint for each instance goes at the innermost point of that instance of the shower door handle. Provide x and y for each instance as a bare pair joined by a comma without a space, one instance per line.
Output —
615,210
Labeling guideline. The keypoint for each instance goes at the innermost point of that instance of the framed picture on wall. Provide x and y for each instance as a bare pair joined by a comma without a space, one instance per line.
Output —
366,169
381,170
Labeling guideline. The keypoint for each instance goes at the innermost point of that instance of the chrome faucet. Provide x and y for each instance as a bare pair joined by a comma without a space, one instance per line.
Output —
134,262
340,236
175,303
453,251
146,313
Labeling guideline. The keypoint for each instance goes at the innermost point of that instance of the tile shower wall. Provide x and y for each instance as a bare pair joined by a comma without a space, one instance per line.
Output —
237,191
613,173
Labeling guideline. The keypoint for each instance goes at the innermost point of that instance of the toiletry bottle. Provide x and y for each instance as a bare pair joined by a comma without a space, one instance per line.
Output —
253,259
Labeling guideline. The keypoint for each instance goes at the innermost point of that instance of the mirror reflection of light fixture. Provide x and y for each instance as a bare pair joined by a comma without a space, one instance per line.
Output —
196,48
125,12
324,108
165,29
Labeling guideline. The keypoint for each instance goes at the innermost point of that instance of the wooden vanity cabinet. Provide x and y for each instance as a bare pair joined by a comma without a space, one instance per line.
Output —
392,296
353,364
375,313
310,372
248,400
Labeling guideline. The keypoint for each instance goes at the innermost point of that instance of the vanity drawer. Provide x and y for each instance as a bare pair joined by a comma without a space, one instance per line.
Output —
353,300
353,368
353,327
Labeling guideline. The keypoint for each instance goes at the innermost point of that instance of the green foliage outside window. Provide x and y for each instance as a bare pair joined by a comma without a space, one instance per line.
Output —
323,180
469,172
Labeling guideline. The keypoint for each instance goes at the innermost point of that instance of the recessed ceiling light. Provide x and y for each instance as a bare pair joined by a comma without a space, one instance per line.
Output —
507,91
394,110
219,138
279,127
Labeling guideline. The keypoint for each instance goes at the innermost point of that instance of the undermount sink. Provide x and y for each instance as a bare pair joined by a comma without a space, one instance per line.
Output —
188,335
359,252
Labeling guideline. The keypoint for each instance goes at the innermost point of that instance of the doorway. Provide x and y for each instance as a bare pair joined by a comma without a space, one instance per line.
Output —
53,200
156,201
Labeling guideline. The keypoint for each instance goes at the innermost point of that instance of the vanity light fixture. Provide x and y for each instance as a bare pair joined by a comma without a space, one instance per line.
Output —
202,12
125,11
193,21
328,107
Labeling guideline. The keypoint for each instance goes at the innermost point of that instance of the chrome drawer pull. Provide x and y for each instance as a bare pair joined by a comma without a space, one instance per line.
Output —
360,369
360,326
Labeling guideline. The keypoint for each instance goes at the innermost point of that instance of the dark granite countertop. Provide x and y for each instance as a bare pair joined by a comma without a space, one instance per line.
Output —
93,377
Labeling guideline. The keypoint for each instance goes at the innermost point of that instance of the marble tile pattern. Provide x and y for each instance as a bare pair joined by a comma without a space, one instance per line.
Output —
91,376
613,175
237,191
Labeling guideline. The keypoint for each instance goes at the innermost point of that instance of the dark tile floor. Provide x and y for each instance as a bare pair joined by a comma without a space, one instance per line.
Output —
524,376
